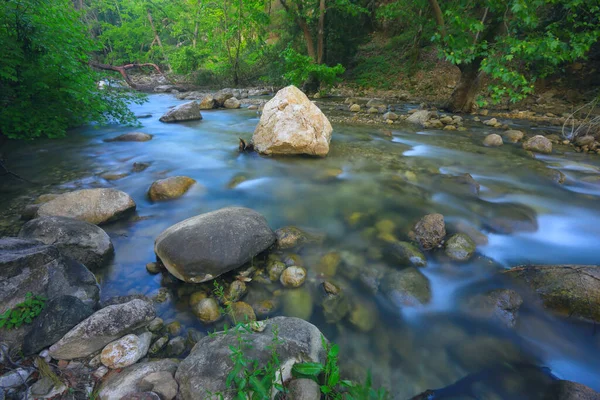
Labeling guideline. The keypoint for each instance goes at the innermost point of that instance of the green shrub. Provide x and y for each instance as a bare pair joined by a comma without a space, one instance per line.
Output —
23,313
299,68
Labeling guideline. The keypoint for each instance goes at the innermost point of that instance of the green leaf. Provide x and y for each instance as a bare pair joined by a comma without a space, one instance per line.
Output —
308,369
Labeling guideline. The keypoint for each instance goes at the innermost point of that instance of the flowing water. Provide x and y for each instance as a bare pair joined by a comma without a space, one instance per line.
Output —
521,215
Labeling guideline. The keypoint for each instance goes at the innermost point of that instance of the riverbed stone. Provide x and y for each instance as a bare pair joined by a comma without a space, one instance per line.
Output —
335,307
242,312
298,303
169,188
391,116
571,290
205,246
290,237
406,254
57,318
292,124
232,103
125,351
79,240
196,297
419,117
207,310
162,383
235,291
329,263
363,315
126,382
96,206
101,328
275,269
189,111
221,96
406,288
131,137
538,144
513,136
205,370
293,277
207,103
460,247
499,305
493,140
430,231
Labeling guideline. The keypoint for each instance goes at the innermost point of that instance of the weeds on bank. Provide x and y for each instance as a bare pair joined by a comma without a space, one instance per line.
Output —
23,313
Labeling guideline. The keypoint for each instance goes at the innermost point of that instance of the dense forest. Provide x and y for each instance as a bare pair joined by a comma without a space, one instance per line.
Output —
500,48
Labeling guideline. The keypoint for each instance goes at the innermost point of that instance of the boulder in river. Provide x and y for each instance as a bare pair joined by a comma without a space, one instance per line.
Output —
460,247
205,246
430,231
101,328
189,111
95,206
222,96
79,240
207,103
493,140
538,144
205,370
131,137
513,136
170,188
572,290
419,117
232,103
292,124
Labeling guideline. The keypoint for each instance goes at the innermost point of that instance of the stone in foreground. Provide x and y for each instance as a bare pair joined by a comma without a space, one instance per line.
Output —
184,112
205,246
126,351
538,144
126,382
571,290
95,206
101,328
79,240
292,124
205,370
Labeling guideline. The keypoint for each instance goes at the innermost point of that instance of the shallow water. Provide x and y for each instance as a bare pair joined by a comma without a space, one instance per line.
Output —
525,214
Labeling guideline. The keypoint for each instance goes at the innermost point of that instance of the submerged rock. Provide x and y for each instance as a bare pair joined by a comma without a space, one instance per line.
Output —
406,288
242,312
275,269
207,310
406,254
572,290
538,144
328,264
293,277
363,315
80,240
298,303
170,188
205,370
184,112
430,231
292,124
513,136
335,307
499,305
460,247
290,236
131,137
205,246
95,206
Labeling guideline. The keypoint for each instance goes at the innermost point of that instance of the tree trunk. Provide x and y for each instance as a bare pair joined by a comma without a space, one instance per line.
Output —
438,15
157,38
320,32
123,70
463,96
310,46
196,26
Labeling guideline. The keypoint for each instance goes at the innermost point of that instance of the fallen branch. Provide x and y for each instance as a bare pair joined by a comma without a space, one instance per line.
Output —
123,70
581,122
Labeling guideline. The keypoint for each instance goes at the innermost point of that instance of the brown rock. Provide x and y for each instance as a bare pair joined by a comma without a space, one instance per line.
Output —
170,188
430,231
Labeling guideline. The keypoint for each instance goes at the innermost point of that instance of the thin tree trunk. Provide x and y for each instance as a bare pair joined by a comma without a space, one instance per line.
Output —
462,98
196,26
320,32
439,16
157,38
123,70
310,46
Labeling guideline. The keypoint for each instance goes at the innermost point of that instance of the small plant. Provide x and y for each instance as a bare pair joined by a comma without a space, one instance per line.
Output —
23,313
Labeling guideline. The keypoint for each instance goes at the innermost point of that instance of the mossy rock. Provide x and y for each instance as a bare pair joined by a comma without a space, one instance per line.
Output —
329,263
406,254
460,247
298,303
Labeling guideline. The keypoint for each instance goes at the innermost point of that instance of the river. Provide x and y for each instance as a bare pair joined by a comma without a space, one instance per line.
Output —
521,215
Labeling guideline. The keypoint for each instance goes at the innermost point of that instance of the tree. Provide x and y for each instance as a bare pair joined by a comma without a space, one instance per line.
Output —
515,42
46,84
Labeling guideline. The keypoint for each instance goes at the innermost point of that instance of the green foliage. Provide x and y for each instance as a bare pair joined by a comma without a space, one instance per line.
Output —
375,71
300,68
22,313
46,84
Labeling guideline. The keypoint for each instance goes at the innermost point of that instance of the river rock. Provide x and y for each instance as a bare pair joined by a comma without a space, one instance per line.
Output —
460,247
131,137
391,116
235,291
79,240
207,310
363,315
56,319
293,277
406,254
101,328
292,124
232,103
170,188
221,96
304,389
406,288
493,140
513,136
290,236
126,382
205,370
572,290
205,246
242,312
419,117
125,351
335,307
430,231
586,140
538,144
499,305
375,103
189,111
275,268
298,303
28,266
567,390
355,108
207,103
161,382
96,206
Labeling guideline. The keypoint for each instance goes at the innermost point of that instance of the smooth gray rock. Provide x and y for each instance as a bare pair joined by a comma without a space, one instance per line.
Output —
419,117
76,239
304,389
126,382
184,112
209,362
96,206
161,382
14,378
205,246
57,318
101,328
